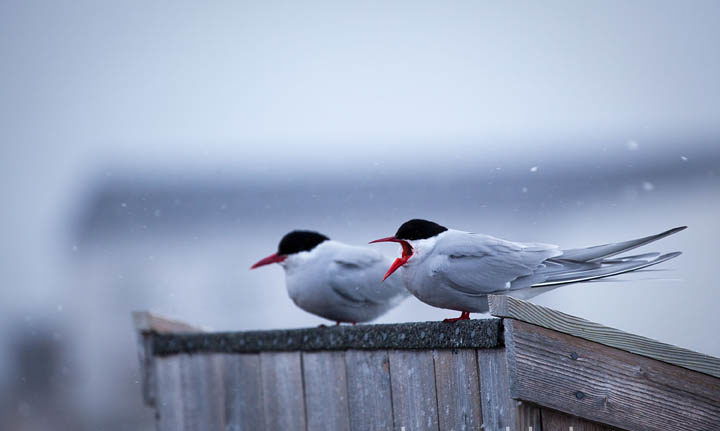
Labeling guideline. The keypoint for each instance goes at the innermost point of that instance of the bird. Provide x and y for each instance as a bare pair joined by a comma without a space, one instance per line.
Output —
457,270
334,280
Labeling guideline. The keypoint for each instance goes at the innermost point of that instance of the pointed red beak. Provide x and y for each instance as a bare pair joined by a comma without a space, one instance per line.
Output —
273,258
400,261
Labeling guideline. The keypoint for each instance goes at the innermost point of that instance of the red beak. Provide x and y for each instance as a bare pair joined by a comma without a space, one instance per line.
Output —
400,261
273,258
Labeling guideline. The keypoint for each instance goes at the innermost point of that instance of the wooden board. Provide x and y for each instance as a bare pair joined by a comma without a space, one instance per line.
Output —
203,392
458,390
147,368
556,421
146,326
527,416
607,385
326,392
282,390
244,407
190,393
145,321
505,306
412,376
369,391
495,393
499,410
169,400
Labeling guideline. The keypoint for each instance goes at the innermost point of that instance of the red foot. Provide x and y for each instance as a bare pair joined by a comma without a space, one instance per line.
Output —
464,316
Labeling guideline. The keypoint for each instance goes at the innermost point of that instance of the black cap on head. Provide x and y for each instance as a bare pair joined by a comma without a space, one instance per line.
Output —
300,240
419,229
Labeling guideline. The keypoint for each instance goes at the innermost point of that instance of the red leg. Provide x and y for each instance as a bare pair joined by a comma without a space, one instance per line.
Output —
354,323
337,323
464,316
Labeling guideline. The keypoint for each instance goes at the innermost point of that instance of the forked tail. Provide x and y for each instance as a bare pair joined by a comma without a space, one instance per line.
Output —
591,263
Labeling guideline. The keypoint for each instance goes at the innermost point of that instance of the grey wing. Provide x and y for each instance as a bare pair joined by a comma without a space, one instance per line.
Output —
480,264
357,277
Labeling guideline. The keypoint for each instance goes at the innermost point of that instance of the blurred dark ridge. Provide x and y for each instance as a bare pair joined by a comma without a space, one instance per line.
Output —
134,203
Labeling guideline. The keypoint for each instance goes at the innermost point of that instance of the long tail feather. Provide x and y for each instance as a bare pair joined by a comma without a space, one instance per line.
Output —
590,254
607,268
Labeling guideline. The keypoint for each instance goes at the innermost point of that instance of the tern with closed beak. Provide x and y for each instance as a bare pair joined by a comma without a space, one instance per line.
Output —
333,280
457,270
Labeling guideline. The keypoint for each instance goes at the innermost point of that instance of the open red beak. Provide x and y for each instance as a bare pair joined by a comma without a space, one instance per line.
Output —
273,258
400,261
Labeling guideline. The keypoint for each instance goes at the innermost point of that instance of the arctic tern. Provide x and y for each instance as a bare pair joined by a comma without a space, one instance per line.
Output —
452,269
333,280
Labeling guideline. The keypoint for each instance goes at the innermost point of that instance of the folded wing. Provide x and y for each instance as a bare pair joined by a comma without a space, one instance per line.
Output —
480,264
356,276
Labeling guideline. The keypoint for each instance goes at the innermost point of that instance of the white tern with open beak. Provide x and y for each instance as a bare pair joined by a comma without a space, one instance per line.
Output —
333,280
456,270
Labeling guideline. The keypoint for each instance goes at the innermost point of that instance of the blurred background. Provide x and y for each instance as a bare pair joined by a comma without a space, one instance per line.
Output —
152,151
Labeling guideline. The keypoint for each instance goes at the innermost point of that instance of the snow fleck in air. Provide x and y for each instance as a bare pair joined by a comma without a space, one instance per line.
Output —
74,248
534,169
157,213
507,285
524,189
648,186
123,204
683,158
632,145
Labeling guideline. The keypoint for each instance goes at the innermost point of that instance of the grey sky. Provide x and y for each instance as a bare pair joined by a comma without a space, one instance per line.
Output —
155,75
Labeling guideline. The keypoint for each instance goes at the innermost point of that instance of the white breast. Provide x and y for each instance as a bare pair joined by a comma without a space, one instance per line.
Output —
341,282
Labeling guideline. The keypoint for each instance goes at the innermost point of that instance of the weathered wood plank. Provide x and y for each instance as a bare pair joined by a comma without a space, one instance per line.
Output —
144,321
412,376
458,389
243,393
169,399
282,390
504,306
147,368
202,392
527,417
369,392
326,392
494,389
499,410
557,421
190,395
146,326
605,384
